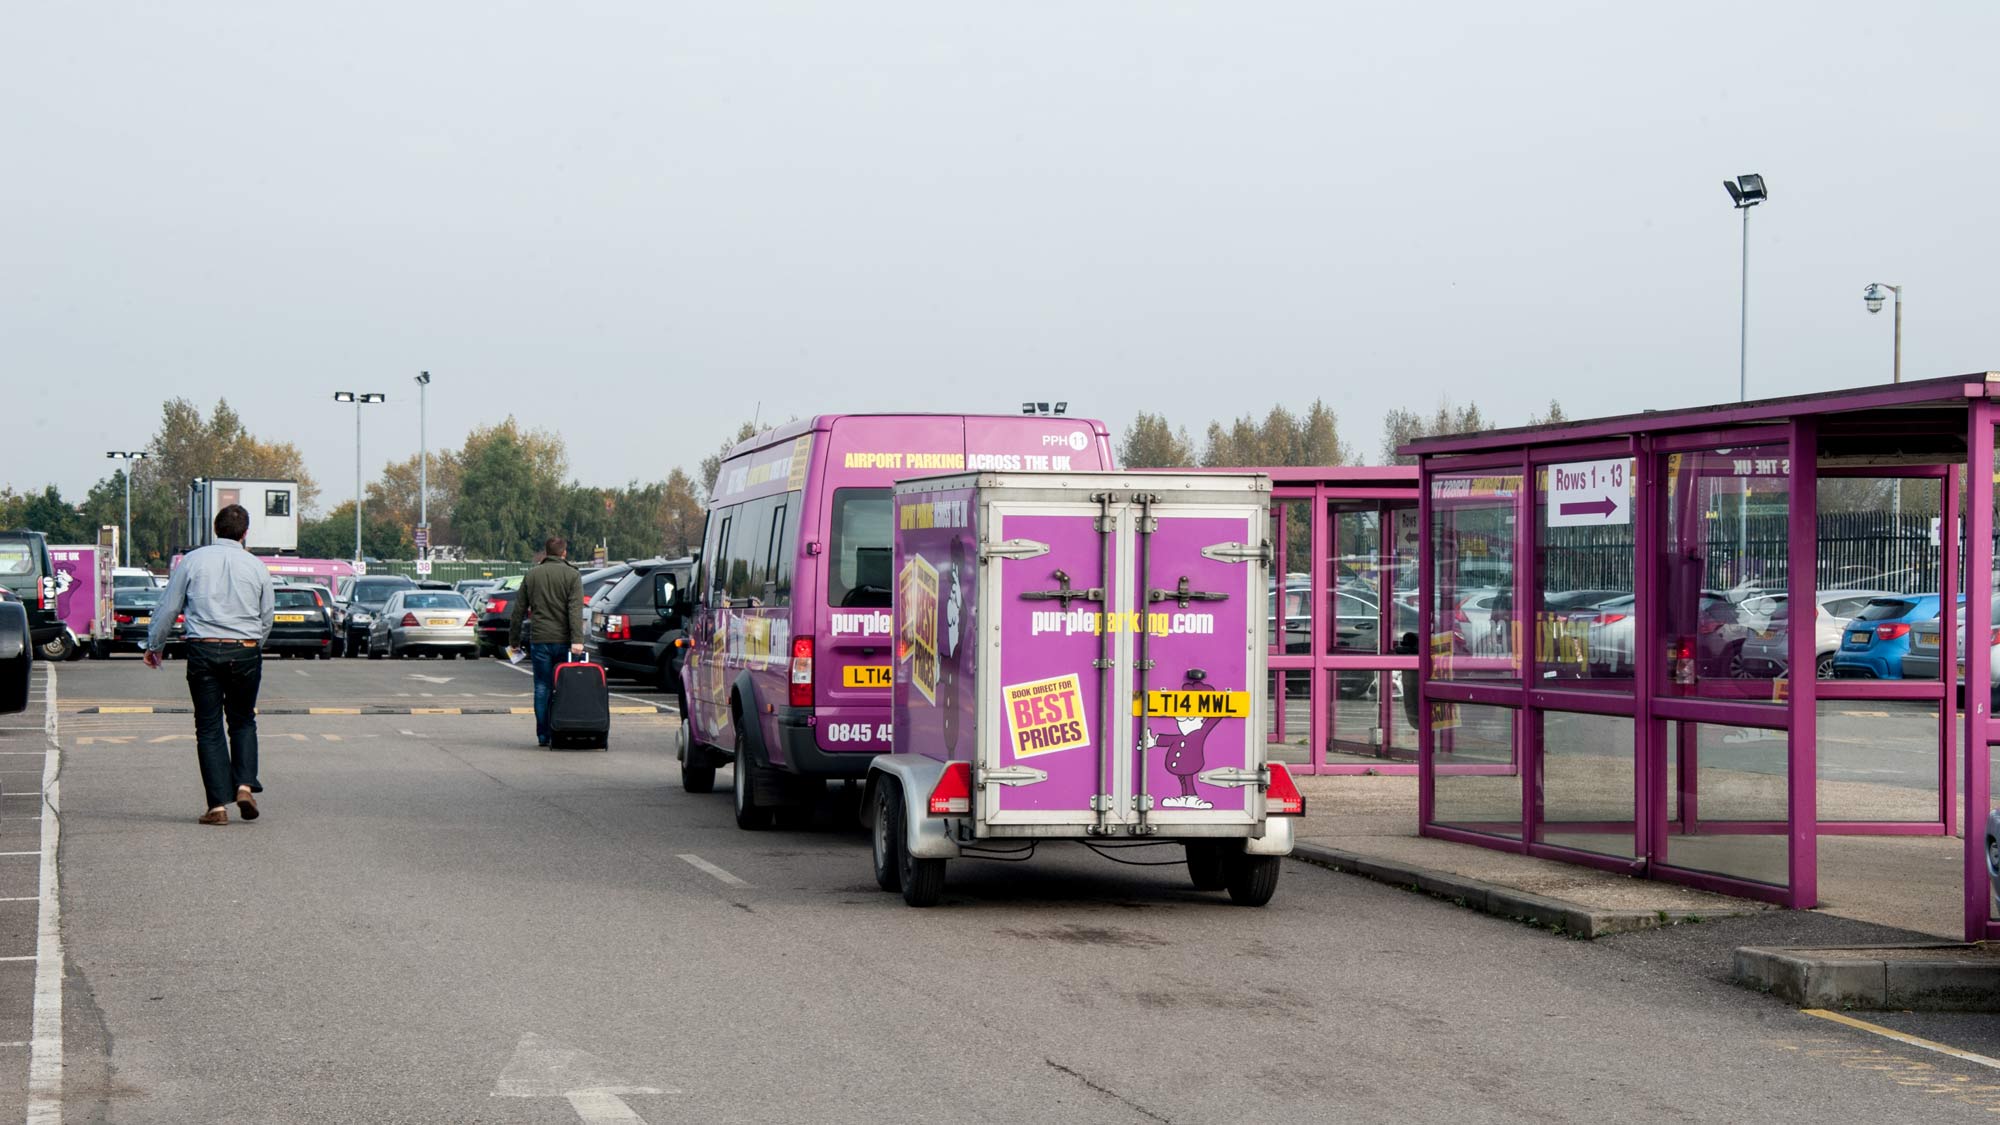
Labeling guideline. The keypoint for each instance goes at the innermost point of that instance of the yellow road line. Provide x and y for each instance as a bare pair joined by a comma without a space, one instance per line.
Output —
626,710
520,710
434,711
333,710
124,710
1904,1037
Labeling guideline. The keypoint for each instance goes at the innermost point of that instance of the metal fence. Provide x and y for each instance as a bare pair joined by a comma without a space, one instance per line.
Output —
1857,550
443,571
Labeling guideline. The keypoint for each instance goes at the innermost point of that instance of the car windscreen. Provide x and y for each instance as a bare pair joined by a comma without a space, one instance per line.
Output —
1885,609
143,597
296,599
129,581
859,549
434,600
375,593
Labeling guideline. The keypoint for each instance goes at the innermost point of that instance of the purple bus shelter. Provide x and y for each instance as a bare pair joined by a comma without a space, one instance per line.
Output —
1614,610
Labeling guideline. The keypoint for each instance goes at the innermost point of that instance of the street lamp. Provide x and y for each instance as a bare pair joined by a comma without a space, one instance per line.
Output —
357,400
128,456
1745,192
1873,295
423,463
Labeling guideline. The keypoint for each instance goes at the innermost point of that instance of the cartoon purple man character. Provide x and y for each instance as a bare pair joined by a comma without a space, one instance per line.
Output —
1185,748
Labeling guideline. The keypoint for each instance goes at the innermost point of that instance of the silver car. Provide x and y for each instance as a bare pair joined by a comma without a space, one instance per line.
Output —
1765,651
431,622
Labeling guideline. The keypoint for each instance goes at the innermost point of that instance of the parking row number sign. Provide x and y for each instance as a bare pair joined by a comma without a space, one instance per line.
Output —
1590,493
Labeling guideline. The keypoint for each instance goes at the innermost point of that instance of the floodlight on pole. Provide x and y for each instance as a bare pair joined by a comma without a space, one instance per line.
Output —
424,460
358,399
1873,296
128,456
1745,191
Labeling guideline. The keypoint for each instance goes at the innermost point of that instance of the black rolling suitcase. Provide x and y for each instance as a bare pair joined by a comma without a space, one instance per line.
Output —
580,709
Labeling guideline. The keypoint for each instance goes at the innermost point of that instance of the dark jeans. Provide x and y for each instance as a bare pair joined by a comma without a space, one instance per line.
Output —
543,658
223,679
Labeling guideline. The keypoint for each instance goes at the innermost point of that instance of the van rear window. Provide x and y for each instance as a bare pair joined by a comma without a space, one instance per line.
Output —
860,549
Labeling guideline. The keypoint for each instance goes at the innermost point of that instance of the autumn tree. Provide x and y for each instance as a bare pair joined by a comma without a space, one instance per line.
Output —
1153,443
711,466
1400,427
1282,438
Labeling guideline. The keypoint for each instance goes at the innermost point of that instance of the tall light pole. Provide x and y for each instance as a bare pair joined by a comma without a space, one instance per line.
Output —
128,456
357,400
424,461
1873,295
1745,192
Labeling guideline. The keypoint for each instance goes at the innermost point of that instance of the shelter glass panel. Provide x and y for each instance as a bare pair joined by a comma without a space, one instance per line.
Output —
1474,631
1356,727
1291,623
1288,721
1588,783
1476,780
1731,787
1587,618
1359,580
1878,760
1722,568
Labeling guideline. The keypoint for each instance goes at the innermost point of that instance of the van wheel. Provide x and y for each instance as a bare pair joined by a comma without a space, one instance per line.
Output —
749,816
922,879
1252,879
694,778
1207,866
888,835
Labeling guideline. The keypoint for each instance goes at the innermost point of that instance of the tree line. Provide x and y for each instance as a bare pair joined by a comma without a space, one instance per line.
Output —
1285,438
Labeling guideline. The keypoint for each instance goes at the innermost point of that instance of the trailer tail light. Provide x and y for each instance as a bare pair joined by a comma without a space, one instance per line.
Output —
1283,797
617,627
802,672
409,621
952,795
1893,631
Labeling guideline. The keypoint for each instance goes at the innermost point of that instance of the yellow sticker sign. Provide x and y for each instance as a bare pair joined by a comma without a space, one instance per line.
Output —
1197,704
865,676
1044,716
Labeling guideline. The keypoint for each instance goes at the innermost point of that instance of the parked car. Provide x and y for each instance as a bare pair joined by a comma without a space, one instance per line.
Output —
491,611
636,624
132,620
468,588
17,655
1993,856
1873,645
365,598
1725,623
1767,653
26,570
1926,655
427,622
301,622
125,577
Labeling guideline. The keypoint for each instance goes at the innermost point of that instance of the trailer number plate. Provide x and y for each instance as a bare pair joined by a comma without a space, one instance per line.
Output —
1197,704
865,676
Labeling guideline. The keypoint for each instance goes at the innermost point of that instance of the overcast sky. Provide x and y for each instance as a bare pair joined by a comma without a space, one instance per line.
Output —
638,223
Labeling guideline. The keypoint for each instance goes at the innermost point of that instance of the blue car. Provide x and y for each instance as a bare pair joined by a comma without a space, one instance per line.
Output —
1873,645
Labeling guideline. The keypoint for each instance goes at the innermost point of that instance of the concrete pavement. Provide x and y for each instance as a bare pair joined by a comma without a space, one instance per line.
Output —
435,921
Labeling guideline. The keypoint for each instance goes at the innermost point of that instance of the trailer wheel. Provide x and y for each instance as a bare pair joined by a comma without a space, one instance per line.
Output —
1207,865
749,815
922,879
1252,879
888,835
58,648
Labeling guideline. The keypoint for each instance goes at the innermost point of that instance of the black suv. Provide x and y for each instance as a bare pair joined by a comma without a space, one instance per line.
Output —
636,624
27,573
364,597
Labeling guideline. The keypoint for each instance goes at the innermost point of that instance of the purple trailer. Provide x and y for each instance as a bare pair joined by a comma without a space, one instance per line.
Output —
1081,656
82,573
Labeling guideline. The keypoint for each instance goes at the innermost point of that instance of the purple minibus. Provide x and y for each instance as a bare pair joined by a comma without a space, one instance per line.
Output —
789,644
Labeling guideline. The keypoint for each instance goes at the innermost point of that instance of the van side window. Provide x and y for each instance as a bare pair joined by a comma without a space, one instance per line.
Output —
859,548
738,552
719,551
773,539
785,547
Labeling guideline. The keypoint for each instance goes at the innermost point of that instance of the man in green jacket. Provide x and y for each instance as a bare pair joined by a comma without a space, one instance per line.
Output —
551,598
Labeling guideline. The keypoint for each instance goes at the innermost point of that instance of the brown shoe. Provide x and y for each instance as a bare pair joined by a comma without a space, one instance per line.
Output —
245,803
216,815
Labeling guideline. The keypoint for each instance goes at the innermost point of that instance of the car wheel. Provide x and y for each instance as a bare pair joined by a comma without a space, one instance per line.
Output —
1734,669
1251,879
922,879
749,815
326,654
888,841
1823,667
372,654
1207,865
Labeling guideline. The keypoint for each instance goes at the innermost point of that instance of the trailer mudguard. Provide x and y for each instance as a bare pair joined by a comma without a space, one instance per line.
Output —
1276,840
925,837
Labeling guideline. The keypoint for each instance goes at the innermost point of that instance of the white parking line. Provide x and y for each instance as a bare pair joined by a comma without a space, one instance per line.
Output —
45,1058
703,865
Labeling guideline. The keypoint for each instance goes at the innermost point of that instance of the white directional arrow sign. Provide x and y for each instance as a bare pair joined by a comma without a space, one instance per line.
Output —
545,1068
430,679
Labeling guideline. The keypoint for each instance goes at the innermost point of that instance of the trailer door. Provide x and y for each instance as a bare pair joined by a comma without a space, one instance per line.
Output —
1053,750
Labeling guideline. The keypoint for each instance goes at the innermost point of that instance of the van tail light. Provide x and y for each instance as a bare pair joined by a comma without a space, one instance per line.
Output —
409,621
1892,631
952,795
802,672
617,627
1282,797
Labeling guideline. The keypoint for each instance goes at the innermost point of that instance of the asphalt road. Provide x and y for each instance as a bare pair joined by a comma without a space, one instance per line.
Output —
435,921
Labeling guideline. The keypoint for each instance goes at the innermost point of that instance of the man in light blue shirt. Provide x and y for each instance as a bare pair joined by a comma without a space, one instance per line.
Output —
226,595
